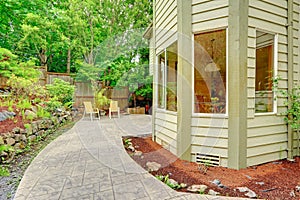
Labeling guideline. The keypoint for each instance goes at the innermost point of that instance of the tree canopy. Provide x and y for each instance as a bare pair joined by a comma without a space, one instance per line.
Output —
99,38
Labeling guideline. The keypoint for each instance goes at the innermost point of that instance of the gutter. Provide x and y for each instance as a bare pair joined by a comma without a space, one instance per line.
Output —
290,73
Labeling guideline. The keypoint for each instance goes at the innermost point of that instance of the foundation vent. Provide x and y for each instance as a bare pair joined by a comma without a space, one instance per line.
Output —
206,159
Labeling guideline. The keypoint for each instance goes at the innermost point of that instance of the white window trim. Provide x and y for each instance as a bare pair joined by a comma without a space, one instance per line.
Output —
163,83
219,115
275,73
164,109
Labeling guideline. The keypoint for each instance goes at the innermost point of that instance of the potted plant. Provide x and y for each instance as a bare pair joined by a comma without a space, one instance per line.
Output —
102,101
144,92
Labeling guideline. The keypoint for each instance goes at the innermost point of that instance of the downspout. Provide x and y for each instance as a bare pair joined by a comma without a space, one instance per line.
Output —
290,74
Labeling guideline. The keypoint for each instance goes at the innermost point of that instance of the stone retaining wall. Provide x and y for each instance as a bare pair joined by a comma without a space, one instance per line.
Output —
19,138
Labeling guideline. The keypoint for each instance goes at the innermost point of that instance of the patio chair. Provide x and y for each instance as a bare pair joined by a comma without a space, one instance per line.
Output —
88,109
114,108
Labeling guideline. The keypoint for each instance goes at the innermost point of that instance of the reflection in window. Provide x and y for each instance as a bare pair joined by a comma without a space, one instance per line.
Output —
161,80
264,72
167,78
210,72
172,77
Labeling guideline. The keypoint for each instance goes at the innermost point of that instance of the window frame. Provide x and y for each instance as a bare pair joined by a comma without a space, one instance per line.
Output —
165,81
196,114
275,73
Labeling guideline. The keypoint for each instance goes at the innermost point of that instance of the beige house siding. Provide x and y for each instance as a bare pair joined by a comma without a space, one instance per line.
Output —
165,24
208,14
166,130
267,134
210,136
165,122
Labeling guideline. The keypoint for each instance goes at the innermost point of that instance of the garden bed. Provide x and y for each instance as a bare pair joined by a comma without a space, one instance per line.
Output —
274,180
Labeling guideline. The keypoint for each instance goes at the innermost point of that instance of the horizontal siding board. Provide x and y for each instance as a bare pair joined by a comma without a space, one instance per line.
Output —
265,121
266,130
266,140
256,160
210,132
204,6
210,15
165,124
169,13
166,139
209,25
166,117
166,131
267,16
210,122
266,149
266,25
210,142
168,39
266,6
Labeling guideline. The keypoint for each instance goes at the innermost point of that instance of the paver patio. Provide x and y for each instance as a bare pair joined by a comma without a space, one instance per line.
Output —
89,162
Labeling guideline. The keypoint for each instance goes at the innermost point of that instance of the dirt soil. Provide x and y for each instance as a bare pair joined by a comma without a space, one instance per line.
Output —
274,180
9,124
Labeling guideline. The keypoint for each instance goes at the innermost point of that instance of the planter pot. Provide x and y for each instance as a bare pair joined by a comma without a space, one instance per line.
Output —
140,98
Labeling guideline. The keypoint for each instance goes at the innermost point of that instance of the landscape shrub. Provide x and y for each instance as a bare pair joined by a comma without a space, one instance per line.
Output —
62,90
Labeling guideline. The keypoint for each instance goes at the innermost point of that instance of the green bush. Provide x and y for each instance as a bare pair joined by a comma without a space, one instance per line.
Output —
11,65
61,90
52,105
26,88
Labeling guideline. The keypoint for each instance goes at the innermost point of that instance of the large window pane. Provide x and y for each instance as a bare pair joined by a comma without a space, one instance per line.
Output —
161,80
172,77
210,72
264,98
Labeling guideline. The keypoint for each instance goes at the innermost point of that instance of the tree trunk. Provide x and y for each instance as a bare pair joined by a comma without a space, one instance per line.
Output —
43,58
69,61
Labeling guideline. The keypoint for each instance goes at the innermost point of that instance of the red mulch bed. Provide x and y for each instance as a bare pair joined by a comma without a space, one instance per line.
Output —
9,124
279,178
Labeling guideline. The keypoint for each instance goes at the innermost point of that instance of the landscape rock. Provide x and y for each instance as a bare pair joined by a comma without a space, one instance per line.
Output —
34,109
10,141
32,138
292,194
23,138
20,145
29,113
297,188
153,166
183,185
1,140
259,183
172,182
197,188
16,130
242,189
40,133
131,148
138,153
213,193
22,131
34,126
29,130
251,194
17,137
216,182
5,115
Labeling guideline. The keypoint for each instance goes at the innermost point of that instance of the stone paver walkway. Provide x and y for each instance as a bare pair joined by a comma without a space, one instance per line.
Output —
89,162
